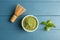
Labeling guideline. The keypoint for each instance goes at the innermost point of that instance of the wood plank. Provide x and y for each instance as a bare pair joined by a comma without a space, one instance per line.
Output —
40,0
7,25
39,8
22,35
43,8
11,31
29,0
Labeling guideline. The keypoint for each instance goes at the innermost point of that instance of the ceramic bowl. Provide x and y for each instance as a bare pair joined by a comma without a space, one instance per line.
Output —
27,29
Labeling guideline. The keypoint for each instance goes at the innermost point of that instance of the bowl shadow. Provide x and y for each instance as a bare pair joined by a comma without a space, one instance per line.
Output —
19,23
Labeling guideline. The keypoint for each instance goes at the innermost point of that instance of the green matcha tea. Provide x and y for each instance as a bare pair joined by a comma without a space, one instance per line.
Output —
30,23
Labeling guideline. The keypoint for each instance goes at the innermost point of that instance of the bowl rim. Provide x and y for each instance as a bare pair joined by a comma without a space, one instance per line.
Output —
27,29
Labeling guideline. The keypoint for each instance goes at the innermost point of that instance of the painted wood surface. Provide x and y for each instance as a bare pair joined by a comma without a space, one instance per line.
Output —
42,9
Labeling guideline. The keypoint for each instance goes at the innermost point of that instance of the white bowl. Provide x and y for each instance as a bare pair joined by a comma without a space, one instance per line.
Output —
27,29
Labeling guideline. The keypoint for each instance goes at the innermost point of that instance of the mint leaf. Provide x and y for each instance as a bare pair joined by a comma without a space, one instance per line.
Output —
48,24
47,28
49,21
51,25
43,23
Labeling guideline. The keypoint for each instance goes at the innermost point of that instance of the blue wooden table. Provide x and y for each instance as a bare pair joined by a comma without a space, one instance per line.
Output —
42,9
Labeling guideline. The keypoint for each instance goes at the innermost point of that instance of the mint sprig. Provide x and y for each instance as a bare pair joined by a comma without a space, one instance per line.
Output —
48,24
43,23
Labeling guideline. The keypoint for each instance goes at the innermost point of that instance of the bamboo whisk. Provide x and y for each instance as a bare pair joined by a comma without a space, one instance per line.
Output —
18,11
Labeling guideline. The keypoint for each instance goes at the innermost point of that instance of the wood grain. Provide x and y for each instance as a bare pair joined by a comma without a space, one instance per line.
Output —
42,9
34,8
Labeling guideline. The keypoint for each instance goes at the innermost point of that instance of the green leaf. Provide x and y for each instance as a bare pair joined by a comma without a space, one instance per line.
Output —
47,28
49,21
48,24
51,25
43,23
